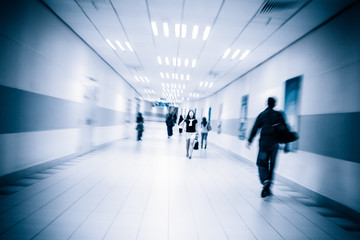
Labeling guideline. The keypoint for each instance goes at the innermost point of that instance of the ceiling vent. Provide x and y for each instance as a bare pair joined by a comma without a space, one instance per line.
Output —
271,6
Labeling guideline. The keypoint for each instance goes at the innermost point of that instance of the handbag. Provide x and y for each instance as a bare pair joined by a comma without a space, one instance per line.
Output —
208,127
196,145
283,134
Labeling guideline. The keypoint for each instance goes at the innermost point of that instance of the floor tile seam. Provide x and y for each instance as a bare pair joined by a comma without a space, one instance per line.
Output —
146,204
252,190
51,200
71,205
138,177
191,208
323,230
63,178
211,203
234,208
249,203
119,178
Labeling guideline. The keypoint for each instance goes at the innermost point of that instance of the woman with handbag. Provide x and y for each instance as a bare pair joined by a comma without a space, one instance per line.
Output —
191,132
205,128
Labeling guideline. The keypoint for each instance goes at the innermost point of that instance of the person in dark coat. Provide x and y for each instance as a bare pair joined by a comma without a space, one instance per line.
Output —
268,145
139,126
180,124
170,125
191,131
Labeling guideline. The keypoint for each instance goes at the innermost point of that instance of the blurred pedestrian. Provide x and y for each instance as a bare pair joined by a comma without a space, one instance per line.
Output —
205,126
268,144
169,125
191,132
139,126
180,124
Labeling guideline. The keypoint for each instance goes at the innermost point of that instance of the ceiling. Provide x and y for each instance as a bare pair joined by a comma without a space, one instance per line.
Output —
196,67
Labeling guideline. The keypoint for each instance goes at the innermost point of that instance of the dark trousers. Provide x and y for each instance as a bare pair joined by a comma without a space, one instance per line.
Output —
204,137
266,163
169,131
139,135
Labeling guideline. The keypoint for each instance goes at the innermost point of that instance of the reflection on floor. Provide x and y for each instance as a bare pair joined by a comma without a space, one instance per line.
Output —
150,190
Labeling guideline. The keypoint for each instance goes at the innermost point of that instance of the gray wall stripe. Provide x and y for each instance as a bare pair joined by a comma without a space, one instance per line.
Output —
334,135
23,111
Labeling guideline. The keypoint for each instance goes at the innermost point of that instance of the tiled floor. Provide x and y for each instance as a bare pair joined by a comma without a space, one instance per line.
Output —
149,190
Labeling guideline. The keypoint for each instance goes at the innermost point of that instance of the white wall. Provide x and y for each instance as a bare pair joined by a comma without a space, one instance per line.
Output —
42,55
329,61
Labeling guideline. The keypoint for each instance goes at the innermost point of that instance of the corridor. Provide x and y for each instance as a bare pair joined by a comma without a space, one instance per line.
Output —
150,190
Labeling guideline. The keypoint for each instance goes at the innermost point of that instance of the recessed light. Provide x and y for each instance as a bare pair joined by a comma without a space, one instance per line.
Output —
110,43
235,54
129,46
226,53
193,64
159,60
166,29
167,61
195,31
154,28
177,30
120,45
244,55
206,33
183,30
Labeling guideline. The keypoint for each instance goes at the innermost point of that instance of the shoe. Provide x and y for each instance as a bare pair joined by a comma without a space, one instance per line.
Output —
205,147
187,155
266,189
190,157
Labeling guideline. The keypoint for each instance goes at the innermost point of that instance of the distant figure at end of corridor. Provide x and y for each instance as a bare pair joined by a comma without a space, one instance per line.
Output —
139,126
268,143
180,124
169,124
205,128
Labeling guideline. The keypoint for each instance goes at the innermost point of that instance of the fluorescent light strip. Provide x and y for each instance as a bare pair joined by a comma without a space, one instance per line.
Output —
235,54
183,86
206,33
201,83
179,62
193,64
183,30
120,46
159,60
173,75
174,61
154,28
211,84
161,74
146,78
129,46
187,77
167,75
176,76
137,79
166,29
177,30
195,31
167,61
110,43
142,79
186,62
182,76
244,55
206,84
226,53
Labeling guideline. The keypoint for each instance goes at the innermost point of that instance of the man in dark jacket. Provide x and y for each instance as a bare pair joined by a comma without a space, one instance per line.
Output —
268,145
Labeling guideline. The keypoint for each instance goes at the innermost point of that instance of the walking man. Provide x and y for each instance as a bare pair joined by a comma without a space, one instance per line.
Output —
268,145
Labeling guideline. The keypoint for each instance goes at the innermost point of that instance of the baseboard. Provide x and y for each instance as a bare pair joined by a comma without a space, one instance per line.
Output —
320,199
14,176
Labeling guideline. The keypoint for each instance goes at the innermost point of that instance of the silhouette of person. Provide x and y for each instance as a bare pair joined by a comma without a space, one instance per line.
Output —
268,145
191,132
204,131
140,126
169,124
